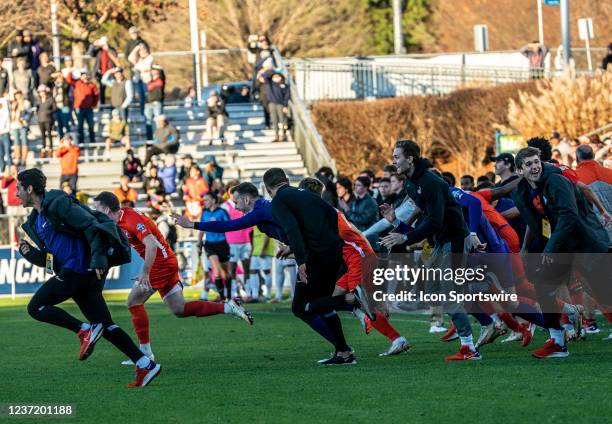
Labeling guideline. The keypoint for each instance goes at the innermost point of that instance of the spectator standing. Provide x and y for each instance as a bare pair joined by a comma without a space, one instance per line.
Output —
118,131
17,48
168,174
21,112
386,194
607,60
105,58
504,168
85,100
45,71
212,170
5,129
154,189
536,54
194,189
155,99
59,90
45,113
35,49
135,41
326,175
216,117
344,190
560,61
588,169
127,195
187,162
23,79
166,139
142,60
363,211
467,183
278,94
4,78
132,167
122,90
68,155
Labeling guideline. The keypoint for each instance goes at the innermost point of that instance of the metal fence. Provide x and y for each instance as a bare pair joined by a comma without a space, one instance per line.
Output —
367,79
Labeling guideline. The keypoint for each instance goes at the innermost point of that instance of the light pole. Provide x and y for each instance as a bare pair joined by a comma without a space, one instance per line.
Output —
55,34
565,31
193,25
398,39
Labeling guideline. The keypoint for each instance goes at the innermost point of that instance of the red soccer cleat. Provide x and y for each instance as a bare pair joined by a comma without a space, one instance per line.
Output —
527,330
551,350
451,334
145,375
465,354
88,339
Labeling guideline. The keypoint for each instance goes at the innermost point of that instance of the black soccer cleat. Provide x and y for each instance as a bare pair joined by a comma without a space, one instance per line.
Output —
339,360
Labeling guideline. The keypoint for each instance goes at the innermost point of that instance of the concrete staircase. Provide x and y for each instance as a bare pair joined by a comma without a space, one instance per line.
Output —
248,152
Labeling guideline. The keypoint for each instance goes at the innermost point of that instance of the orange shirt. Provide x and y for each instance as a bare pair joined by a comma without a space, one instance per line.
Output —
136,227
69,159
496,219
351,235
590,171
130,195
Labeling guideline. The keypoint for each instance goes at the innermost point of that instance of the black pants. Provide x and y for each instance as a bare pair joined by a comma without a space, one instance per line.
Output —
86,291
45,131
322,272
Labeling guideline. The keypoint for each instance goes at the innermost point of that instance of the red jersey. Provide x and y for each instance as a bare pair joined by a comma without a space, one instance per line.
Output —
351,235
136,226
496,219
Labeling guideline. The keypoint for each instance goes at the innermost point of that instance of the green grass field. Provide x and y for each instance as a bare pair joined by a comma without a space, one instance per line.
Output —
218,369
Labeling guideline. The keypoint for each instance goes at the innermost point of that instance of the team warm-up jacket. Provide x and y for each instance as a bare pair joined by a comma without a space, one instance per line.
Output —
574,225
107,244
442,219
310,223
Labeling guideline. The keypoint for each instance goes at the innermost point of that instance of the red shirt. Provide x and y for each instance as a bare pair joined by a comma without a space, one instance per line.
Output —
85,94
590,171
496,219
136,226
69,159
10,184
351,235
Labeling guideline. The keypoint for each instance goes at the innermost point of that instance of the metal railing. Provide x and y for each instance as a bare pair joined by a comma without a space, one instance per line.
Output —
370,79
305,134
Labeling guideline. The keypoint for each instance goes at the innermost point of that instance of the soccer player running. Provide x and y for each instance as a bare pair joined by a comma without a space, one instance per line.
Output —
442,222
74,242
159,272
560,220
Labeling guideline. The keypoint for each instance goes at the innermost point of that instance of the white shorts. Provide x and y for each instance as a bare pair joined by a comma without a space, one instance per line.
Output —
240,252
261,264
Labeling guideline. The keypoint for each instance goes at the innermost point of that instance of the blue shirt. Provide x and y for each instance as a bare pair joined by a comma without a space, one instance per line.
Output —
261,216
68,252
218,215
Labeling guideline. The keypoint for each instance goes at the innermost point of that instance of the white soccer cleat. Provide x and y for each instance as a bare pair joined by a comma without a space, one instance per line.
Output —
514,337
129,361
361,301
238,311
435,328
398,346
609,338
488,334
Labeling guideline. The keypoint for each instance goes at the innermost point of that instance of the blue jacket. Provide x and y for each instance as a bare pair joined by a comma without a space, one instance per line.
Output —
168,175
261,216
277,93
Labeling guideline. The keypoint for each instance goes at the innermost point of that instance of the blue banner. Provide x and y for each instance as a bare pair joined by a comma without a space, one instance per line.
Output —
28,278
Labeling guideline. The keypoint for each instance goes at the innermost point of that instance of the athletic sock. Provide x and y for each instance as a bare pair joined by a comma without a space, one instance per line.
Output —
119,338
202,308
143,362
333,322
219,286
384,327
557,336
468,341
140,321
253,285
320,326
267,276
509,320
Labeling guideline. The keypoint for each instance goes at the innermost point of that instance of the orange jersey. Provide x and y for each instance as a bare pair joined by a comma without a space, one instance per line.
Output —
496,219
136,227
351,235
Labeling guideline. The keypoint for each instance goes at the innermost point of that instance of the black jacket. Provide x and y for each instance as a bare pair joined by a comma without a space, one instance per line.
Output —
442,219
4,81
106,242
574,225
363,212
45,111
310,223
279,94
217,109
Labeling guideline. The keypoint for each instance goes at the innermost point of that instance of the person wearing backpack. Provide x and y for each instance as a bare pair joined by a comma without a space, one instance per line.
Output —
78,246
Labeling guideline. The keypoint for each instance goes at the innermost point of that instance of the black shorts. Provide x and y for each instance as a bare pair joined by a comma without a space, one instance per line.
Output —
218,248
